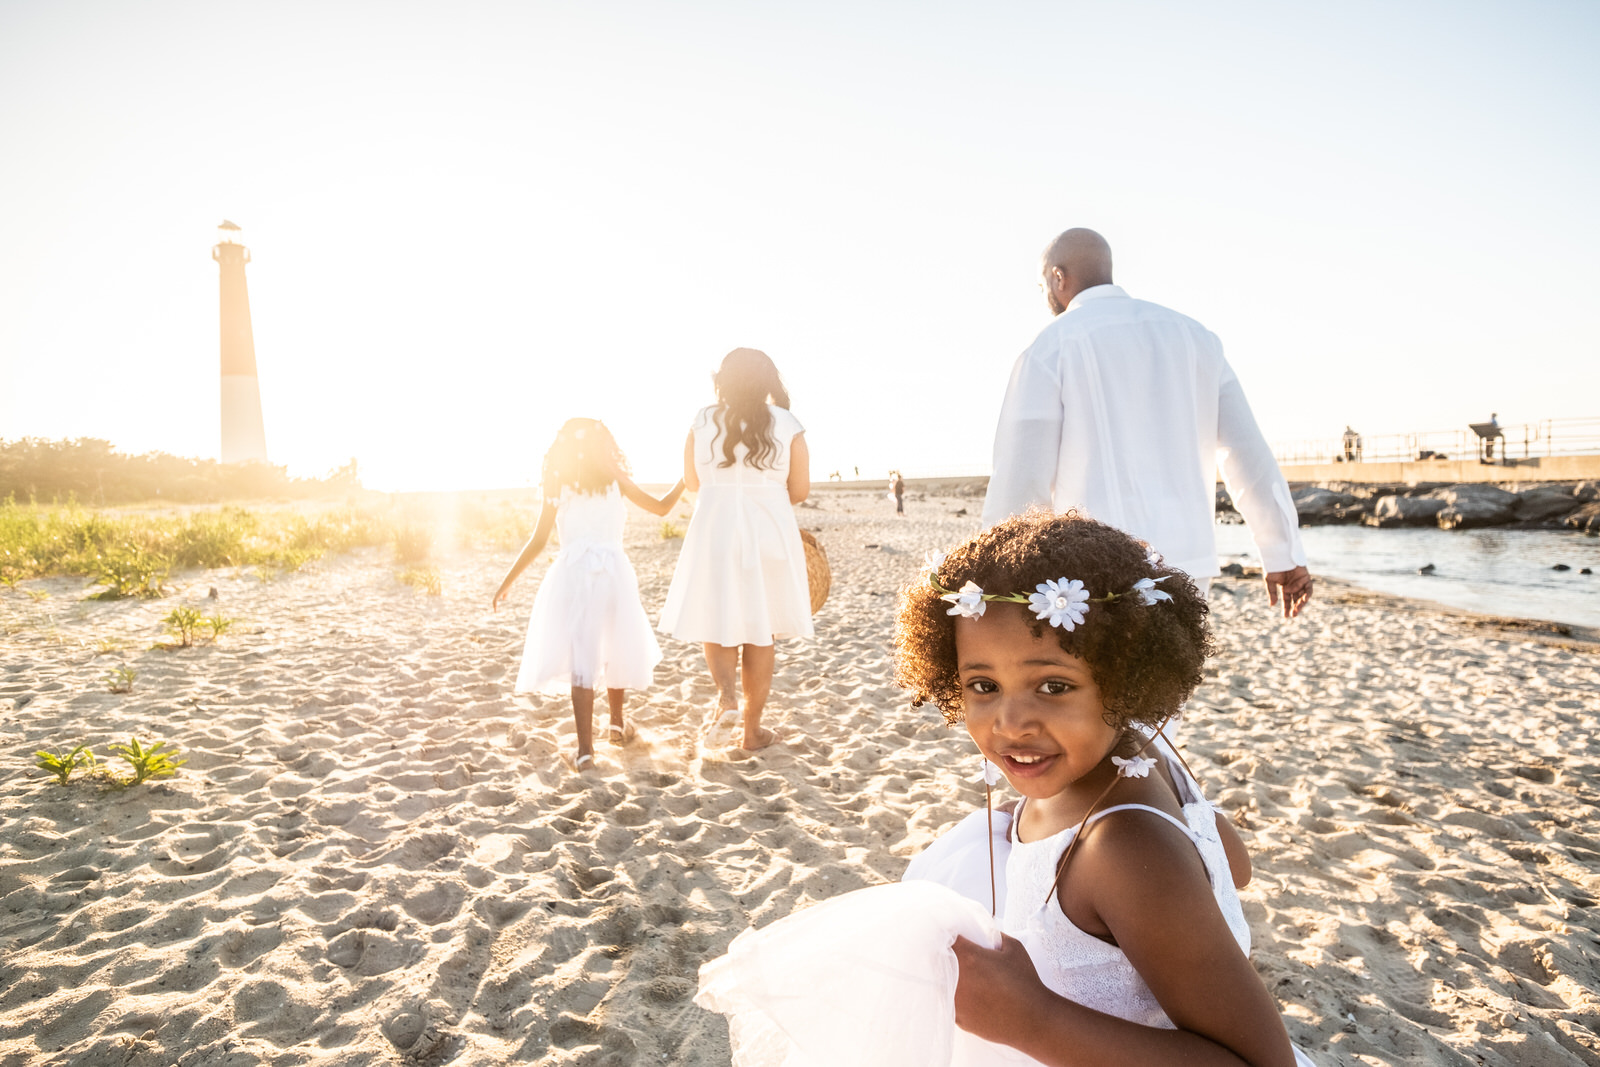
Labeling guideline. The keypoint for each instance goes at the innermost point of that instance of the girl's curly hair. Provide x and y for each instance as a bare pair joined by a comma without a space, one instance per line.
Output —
1146,660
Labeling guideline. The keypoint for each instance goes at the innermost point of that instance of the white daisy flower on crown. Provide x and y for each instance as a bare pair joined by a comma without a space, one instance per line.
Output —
1145,589
932,560
1063,602
1136,767
1152,557
968,603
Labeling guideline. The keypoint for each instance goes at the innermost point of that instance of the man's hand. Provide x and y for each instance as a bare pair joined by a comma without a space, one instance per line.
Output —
1293,587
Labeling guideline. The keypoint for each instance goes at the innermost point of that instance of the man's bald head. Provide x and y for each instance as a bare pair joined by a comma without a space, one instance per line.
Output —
1082,253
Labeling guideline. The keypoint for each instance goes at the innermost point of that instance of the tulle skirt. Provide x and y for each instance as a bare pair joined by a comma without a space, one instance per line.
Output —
588,628
867,979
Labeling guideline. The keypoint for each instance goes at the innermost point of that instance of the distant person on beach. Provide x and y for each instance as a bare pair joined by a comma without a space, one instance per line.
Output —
897,487
588,630
1121,408
1352,444
741,581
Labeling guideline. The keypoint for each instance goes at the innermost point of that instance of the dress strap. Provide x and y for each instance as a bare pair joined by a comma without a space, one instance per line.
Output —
1173,819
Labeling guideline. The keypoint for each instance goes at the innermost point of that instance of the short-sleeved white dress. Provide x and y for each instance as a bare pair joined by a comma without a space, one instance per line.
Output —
741,577
588,628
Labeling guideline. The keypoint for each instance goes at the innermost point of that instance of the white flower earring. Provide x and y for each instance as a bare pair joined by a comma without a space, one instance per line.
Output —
1134,767
991,773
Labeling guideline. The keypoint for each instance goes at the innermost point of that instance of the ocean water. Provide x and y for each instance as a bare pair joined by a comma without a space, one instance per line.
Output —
1501,572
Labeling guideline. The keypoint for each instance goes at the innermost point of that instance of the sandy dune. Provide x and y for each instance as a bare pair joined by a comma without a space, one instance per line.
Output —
376,855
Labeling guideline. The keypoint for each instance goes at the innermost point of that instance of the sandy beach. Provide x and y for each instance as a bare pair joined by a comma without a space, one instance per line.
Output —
377,855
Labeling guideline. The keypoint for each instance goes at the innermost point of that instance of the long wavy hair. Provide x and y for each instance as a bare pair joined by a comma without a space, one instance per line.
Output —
746,382
583,456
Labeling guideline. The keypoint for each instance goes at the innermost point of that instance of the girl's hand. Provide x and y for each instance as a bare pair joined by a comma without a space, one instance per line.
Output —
500,595
999,992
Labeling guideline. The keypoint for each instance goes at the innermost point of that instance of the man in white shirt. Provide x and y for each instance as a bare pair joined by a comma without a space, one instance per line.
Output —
1122,408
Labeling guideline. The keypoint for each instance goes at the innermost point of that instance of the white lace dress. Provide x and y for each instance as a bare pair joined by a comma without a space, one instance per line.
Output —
588,628
869,978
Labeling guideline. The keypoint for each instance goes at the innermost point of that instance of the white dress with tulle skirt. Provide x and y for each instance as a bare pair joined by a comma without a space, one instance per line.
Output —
588,628
869,977
741,577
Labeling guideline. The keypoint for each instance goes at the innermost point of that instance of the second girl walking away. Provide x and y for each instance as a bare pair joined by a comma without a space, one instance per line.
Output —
588,630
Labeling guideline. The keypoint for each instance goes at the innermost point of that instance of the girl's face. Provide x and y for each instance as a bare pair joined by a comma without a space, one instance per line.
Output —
1033,709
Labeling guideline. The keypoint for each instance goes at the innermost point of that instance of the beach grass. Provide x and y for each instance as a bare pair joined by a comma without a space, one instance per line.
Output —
131,553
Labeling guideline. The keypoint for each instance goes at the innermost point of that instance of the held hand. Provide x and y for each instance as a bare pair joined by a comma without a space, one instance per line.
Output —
998,991
1293,586
499,595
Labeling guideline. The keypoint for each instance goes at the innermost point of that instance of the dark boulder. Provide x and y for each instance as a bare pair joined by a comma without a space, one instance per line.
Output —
1318,506
1404,511
1545,502
1475,504
1586,519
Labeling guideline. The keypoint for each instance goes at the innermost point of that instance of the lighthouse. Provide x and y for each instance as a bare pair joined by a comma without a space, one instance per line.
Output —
243,436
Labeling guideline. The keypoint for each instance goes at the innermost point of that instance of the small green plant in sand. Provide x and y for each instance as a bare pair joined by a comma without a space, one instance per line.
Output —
38,596
184,623
61,765
190,627
670,530
121,679
107,644
425,579
149,762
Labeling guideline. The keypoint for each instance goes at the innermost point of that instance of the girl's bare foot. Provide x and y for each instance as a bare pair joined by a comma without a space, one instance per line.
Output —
719,728
760,739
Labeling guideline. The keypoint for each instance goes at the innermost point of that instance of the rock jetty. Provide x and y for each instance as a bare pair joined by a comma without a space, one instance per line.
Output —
1466,506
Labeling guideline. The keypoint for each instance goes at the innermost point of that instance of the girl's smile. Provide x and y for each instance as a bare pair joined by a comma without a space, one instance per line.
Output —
1033,709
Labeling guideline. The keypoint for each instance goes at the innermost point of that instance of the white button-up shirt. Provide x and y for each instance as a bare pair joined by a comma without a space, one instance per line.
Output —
1122,409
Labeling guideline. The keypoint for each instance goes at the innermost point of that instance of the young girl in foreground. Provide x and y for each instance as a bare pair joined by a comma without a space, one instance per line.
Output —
588,628
1063,645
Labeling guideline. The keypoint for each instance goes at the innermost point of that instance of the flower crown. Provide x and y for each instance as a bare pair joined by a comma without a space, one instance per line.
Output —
1063,602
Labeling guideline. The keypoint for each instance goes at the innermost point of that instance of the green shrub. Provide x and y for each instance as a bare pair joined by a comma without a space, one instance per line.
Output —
62,766
149,762
184,623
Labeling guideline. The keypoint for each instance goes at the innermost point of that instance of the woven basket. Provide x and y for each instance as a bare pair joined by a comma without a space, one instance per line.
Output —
819,576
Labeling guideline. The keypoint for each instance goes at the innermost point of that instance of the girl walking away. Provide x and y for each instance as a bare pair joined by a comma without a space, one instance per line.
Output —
741,577
1097,922
588,630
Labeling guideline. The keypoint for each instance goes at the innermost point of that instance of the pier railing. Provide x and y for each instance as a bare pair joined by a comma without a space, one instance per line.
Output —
1547,437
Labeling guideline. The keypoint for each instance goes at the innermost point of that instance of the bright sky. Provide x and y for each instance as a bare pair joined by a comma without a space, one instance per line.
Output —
469,222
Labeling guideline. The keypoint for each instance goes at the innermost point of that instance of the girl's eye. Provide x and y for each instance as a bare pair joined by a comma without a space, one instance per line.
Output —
982,685
1056,687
